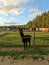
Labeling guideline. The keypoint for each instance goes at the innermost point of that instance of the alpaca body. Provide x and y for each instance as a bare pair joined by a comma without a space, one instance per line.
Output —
25,39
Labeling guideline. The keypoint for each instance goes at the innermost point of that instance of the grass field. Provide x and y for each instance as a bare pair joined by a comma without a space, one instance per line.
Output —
12,38
25,54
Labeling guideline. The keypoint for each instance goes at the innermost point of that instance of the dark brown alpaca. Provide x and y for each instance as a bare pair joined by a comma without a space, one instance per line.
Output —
25,38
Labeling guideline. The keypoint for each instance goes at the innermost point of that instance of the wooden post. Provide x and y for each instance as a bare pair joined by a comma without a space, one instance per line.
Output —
34,40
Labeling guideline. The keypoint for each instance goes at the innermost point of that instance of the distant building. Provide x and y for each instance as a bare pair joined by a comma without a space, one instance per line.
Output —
7,27
44,29
32,29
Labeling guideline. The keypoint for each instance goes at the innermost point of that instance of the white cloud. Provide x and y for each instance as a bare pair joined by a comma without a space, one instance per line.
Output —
5,22
1,21
12,6
17,11
35,12
13,2
11,21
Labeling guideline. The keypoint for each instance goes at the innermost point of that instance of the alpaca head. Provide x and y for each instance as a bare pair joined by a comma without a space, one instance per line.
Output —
21,32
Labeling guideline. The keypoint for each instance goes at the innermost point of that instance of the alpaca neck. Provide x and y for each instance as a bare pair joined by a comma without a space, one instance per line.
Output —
21,33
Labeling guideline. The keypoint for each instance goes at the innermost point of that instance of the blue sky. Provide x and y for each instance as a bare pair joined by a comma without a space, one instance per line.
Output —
18,12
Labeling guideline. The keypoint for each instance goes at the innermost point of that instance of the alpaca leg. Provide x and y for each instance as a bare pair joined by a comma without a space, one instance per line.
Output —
24,46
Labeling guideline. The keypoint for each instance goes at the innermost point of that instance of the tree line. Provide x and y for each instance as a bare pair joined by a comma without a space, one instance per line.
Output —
39,21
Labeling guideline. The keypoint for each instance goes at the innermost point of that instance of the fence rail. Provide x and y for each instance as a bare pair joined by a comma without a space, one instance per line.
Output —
13,38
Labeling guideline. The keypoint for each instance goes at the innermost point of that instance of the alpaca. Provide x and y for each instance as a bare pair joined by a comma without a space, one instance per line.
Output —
25,38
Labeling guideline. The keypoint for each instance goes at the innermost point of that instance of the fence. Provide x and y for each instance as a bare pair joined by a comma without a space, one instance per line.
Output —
12,38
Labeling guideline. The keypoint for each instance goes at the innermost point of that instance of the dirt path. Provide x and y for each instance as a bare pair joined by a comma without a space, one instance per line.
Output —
11,48
19,48
29,61
6,61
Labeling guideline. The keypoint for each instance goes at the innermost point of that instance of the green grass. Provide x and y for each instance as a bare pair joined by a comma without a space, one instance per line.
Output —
11,38
25,54
37,57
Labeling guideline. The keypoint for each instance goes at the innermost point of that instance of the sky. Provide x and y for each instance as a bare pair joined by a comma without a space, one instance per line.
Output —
19,12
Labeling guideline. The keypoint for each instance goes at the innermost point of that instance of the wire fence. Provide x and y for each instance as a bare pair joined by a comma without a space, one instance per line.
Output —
12,38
